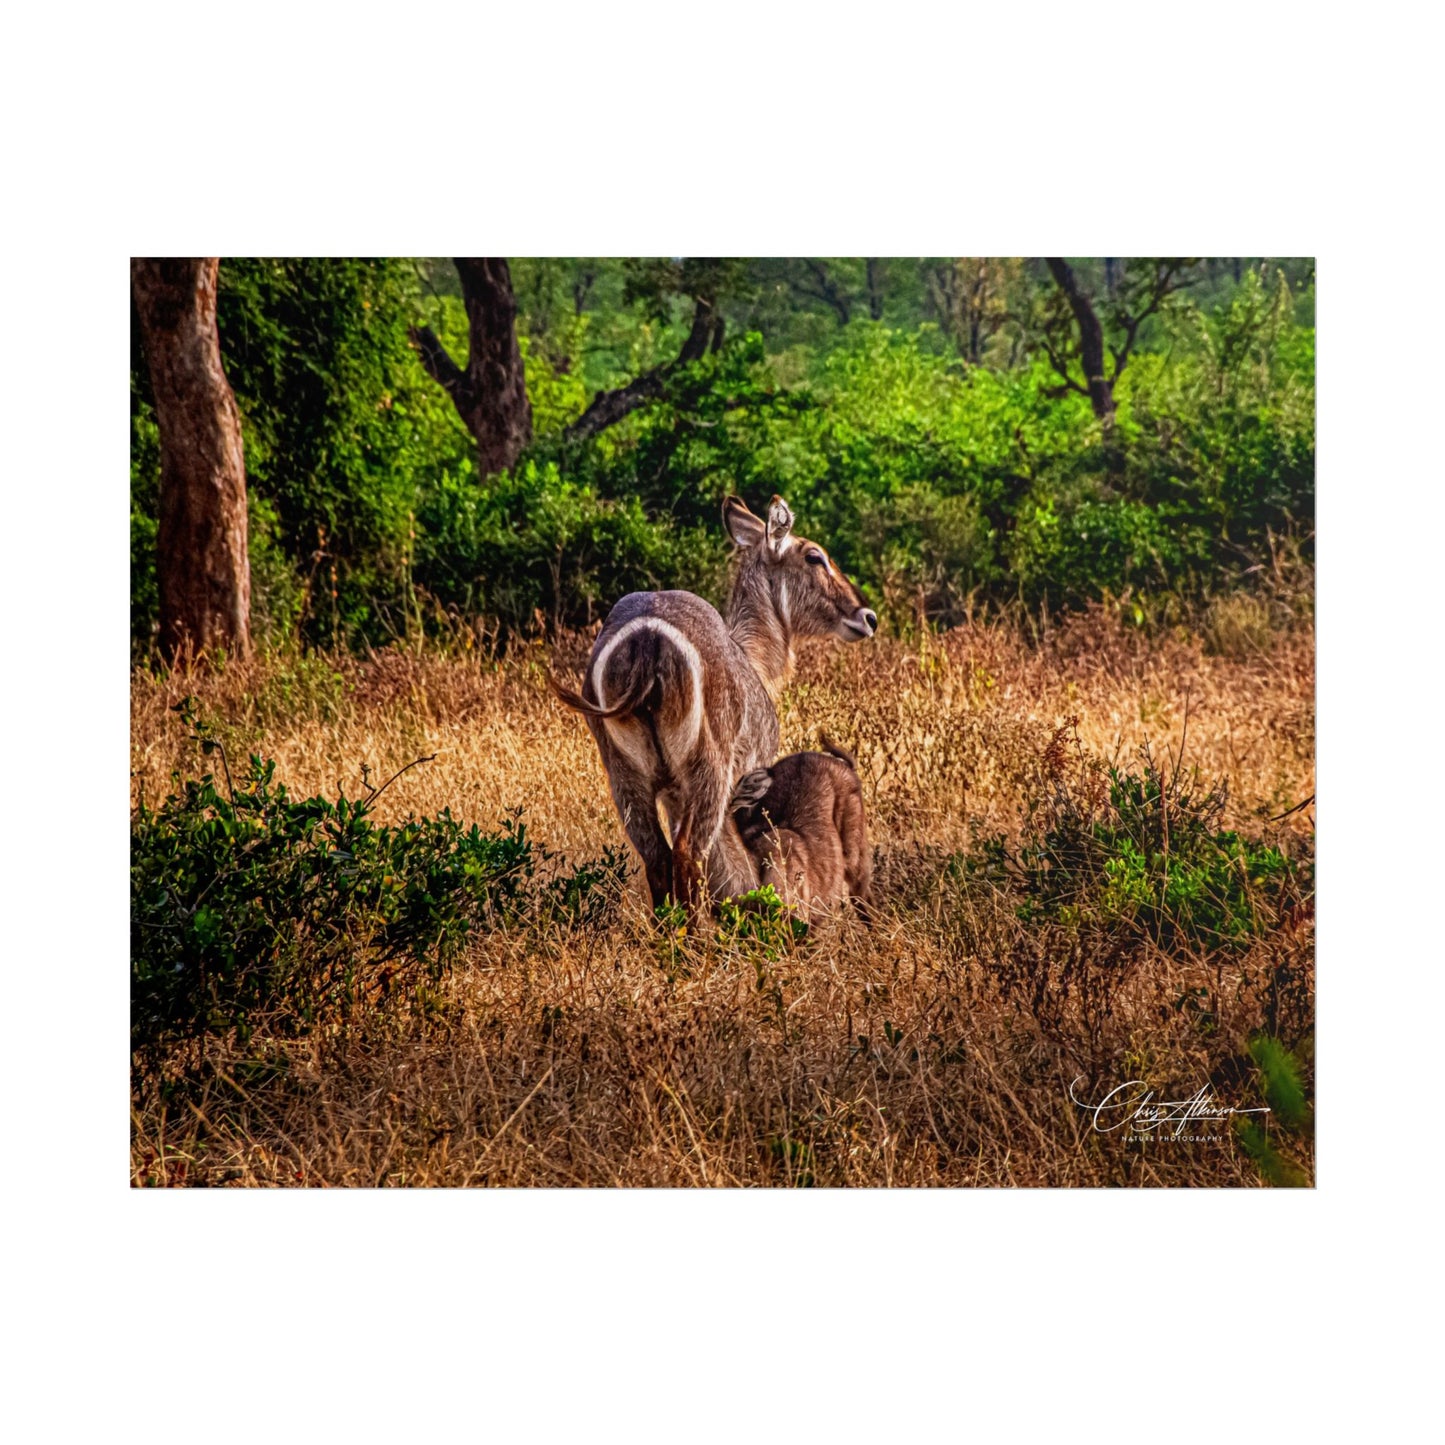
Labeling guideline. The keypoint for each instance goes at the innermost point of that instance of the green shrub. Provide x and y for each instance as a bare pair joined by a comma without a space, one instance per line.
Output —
760,922
1221,420
249,906
1142,850
934,482
535,545
1103,548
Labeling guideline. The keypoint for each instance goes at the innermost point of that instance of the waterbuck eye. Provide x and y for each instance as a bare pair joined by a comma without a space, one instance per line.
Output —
816,559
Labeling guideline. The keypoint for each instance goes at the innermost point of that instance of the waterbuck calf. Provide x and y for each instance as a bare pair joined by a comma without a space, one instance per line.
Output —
681,702
802,822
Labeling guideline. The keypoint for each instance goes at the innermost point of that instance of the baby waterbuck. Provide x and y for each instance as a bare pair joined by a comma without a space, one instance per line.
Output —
681,702
802,822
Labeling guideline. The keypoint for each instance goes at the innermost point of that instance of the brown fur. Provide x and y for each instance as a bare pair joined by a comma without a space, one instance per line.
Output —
802,823
681,703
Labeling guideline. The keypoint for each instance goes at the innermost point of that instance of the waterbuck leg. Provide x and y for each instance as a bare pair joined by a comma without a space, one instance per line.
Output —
697,832
864,909
638,811
731,869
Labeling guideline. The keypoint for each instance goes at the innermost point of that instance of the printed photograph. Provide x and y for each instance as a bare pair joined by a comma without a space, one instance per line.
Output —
676,722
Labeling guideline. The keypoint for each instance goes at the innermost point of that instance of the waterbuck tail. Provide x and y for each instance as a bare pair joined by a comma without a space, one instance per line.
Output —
842,754
625,705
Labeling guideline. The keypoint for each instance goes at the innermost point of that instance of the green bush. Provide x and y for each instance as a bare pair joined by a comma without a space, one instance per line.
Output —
1221,423
1144,853
1281,1075
533,545
1105,548
759,921
249,907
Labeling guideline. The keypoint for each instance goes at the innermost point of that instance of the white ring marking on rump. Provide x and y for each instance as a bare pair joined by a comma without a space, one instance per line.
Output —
678,741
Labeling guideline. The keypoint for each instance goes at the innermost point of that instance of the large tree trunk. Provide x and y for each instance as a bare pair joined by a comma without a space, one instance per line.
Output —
491,394
1091,340
202,563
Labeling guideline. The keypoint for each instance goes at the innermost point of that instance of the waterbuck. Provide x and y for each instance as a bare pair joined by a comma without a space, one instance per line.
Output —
802,823
681,702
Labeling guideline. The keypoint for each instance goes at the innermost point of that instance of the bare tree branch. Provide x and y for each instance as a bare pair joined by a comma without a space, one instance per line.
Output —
1168,279
827,291
1061,366
608,408
437,361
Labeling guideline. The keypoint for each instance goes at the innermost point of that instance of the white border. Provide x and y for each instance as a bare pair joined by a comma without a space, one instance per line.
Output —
752,130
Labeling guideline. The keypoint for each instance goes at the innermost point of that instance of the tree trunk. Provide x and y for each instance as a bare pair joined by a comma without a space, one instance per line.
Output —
1091,340
875,272
202,564
491,394
829,292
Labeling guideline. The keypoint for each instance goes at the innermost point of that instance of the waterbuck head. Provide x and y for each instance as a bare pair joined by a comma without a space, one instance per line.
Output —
787,587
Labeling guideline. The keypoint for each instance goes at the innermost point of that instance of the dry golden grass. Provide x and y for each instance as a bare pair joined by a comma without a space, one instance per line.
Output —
937,1049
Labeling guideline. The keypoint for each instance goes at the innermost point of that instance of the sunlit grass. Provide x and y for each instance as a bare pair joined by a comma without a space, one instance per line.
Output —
936,1049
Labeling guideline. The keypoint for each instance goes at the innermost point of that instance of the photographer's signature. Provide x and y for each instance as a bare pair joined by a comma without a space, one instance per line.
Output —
1132,1106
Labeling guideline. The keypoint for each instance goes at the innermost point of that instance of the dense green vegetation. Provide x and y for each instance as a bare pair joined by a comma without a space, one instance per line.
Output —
929,439
252,907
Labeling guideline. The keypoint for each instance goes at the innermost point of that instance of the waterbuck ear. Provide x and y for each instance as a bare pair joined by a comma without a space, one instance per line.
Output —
745,529
780,524
752,788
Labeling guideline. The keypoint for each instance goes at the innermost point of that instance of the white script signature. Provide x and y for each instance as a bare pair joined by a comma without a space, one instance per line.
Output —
1134,1104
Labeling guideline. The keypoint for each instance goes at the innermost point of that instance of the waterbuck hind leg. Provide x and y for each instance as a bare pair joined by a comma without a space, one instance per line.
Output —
686,876
703,814
860,887
863,906
638,811
857,855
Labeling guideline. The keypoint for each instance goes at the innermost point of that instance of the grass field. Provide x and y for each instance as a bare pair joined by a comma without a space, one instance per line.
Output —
937,1049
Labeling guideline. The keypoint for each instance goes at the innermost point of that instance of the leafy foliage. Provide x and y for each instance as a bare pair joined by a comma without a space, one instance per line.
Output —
936,452
250,906
760,922
536,546
1282,1082
1140,850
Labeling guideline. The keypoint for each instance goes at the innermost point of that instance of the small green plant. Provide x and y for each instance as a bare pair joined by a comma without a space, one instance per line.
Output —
1282,1078
1281,1075
794,1158
760,921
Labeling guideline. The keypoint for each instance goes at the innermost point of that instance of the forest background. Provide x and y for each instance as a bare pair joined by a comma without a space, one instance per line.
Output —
969,434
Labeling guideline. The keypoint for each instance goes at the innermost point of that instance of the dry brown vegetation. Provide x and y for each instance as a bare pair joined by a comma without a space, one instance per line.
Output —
936,1049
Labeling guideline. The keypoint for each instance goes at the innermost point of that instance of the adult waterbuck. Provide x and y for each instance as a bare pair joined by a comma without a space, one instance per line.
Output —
681,702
